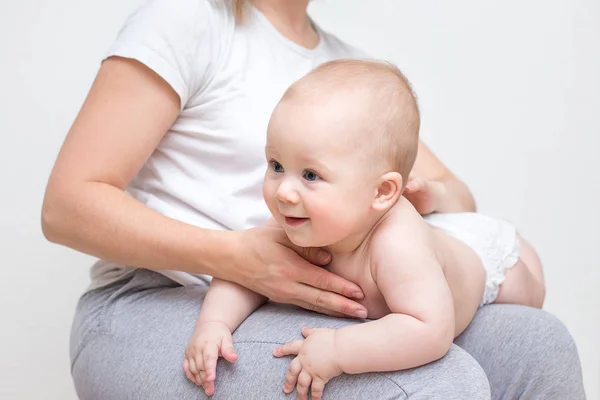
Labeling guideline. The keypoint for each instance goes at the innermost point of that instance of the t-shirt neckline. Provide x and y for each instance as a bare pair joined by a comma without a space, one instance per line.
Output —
287,42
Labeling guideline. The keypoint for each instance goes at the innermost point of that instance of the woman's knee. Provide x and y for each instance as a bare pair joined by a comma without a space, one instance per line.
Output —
455,376
544,340
552,354
257,374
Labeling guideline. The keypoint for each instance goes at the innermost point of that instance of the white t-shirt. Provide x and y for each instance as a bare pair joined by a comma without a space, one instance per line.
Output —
208,170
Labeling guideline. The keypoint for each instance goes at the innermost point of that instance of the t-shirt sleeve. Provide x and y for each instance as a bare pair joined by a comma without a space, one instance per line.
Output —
180,40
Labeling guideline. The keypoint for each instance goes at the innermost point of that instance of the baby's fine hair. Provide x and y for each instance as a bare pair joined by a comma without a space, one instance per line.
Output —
389,99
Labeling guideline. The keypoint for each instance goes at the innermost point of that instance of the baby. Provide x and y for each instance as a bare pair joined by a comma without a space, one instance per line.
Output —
341,144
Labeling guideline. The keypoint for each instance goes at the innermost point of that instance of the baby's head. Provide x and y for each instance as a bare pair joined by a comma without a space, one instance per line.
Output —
340,146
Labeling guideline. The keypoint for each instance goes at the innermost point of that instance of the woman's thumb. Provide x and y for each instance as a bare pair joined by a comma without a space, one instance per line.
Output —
316,255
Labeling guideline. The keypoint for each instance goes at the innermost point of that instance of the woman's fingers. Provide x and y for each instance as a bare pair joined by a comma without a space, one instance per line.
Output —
330,282
309,258
314,255
312,297
286,277
414,185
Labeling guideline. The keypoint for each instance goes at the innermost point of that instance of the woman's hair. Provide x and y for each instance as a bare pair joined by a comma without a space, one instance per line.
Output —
238,9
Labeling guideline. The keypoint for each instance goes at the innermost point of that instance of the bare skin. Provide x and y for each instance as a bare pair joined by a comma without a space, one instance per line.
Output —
461,267
326,189
127,112
418,282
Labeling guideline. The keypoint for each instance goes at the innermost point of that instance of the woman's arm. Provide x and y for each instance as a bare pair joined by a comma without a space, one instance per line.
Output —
126,114
434,188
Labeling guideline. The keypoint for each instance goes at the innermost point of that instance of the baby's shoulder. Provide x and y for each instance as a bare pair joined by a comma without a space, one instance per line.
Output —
402,219
401,228
399,237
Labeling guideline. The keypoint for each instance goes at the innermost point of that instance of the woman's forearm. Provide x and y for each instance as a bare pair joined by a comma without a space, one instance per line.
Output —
454,196
105,222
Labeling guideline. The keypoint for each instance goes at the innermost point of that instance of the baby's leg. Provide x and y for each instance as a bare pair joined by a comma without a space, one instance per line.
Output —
524,283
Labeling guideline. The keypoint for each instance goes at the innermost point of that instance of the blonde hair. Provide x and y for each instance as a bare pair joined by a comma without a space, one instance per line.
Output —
239,7
388,97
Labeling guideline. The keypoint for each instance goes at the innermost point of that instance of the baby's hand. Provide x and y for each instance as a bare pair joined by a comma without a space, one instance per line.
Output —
209,341
423,194
314,365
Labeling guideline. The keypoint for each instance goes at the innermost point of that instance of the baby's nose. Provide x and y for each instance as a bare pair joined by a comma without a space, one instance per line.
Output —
287,194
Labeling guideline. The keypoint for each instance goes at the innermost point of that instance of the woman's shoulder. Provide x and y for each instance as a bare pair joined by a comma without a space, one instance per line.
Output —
197,11
180,40
188,18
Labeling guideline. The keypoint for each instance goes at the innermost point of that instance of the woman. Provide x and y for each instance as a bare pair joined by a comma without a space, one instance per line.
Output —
160,177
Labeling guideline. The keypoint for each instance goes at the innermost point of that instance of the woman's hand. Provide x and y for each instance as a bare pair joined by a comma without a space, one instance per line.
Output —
267,262
425,195
432,187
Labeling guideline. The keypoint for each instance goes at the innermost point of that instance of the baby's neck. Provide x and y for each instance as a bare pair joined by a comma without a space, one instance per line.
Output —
355,242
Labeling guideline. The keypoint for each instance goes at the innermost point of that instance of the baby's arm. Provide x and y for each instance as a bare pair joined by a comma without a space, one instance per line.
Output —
225,307
228,303
420,328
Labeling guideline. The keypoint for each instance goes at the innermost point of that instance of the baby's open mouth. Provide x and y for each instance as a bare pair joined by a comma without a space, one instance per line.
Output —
294,221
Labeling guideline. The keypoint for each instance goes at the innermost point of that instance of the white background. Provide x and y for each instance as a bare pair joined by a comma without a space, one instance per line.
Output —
510,93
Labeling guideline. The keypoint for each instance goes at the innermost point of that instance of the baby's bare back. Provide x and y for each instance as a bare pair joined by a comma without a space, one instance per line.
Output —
462,267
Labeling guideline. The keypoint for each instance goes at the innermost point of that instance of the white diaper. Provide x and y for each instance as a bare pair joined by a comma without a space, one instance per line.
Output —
495,241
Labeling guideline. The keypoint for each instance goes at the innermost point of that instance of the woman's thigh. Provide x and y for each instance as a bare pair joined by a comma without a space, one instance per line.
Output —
128,343
525,352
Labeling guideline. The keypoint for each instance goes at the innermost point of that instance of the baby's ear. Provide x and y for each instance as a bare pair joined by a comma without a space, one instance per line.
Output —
388,191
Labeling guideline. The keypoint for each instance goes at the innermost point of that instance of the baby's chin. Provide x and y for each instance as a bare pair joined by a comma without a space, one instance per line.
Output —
303,240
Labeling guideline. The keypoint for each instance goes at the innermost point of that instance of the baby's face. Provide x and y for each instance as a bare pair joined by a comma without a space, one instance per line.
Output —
318,185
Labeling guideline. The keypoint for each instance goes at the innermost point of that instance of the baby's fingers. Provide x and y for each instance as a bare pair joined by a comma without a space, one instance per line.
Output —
317,388
292,375
208,359
209,388
290,348
195,371
227,350
304,381
188,372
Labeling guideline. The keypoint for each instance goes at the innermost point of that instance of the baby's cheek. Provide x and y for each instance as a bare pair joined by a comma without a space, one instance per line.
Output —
269,193
329,224
267,190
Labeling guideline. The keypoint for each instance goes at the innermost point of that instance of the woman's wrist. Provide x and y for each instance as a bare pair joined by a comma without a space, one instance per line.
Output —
219,254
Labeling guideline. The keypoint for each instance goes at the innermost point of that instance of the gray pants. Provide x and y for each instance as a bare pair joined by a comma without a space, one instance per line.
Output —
128,342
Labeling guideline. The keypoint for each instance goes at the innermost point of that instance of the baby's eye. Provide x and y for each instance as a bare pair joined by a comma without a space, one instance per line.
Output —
276,166
310,176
